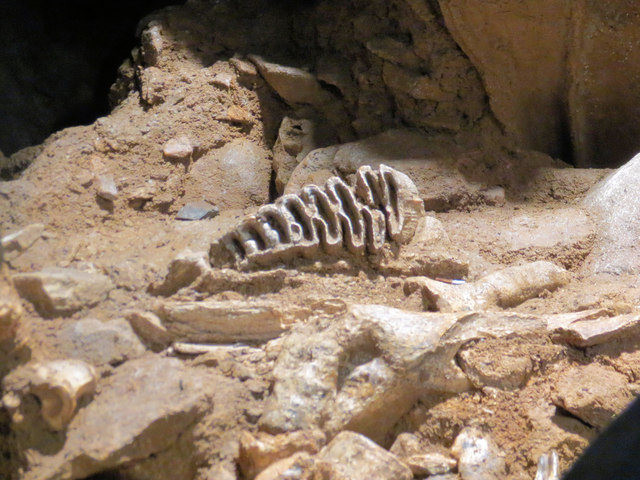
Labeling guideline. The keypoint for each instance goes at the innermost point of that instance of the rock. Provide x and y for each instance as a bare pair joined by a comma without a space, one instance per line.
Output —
258,451
350,455
295,141
236,114
259,282
149,329
212,321
154,85
59,292
597,329
179,148
234,176
430,253
593,393
151,44
507,369
21,240
419,87
10,313
505,288
421,461
100,343
59,386
478,456
106,188
158,400
618,212
182,272
298,466
394,51
294,85
197,211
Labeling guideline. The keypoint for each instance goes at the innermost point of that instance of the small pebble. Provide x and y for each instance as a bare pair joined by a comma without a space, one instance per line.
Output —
107,188
197,211
179,148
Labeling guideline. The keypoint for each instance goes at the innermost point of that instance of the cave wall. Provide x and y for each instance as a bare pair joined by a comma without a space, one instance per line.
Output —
561,75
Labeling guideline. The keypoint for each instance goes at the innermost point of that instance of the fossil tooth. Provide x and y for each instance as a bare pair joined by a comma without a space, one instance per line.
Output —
383,205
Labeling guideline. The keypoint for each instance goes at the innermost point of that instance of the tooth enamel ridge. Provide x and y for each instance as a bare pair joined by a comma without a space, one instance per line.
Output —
382,206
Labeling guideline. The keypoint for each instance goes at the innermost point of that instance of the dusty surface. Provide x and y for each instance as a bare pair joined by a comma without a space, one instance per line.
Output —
198,120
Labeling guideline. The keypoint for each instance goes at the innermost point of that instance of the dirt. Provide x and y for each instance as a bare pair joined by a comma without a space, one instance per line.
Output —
181,90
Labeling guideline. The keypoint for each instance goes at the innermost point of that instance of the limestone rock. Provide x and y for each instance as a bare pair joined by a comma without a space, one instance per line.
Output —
179,148
234,176
106,188
422,461
149,329
62,291
100,343
596,329
212,321
17,242
618,212
478,456
593,393
182,272
258,451
294,85
504,288
157,401
350,455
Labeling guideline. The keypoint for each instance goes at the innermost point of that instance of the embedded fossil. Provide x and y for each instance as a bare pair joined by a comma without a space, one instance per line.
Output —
384,204
59,385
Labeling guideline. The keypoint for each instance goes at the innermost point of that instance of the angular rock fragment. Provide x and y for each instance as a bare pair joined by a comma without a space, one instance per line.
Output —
100,343
258,451
478,456
295,140
19,241
149,329
589,330
350,455
59,386
382,205
504,288
212,321
10,312
197,211
157,401
422,461
59,292
106,188
593,393
182,272
298,466
179,148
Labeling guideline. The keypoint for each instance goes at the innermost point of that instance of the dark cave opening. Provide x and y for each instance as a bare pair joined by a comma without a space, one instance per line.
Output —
58,61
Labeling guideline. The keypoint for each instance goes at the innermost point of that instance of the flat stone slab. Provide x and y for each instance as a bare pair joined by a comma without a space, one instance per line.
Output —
197,211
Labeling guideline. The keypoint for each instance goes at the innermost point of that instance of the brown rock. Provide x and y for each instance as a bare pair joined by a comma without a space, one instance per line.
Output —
234,176
61,291
149,329
182,272
593,393
258,451
179,148
351,455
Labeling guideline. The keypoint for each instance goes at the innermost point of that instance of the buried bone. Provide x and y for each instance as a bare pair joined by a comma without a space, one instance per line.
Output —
59,386
384,205
505,288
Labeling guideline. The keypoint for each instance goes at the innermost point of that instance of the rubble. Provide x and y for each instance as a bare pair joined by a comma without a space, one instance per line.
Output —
58,292
99,343
422,461
478,456
502,289
258,451
351,455
593,393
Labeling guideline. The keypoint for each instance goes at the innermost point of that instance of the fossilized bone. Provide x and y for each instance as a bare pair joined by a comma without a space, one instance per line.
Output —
383,205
